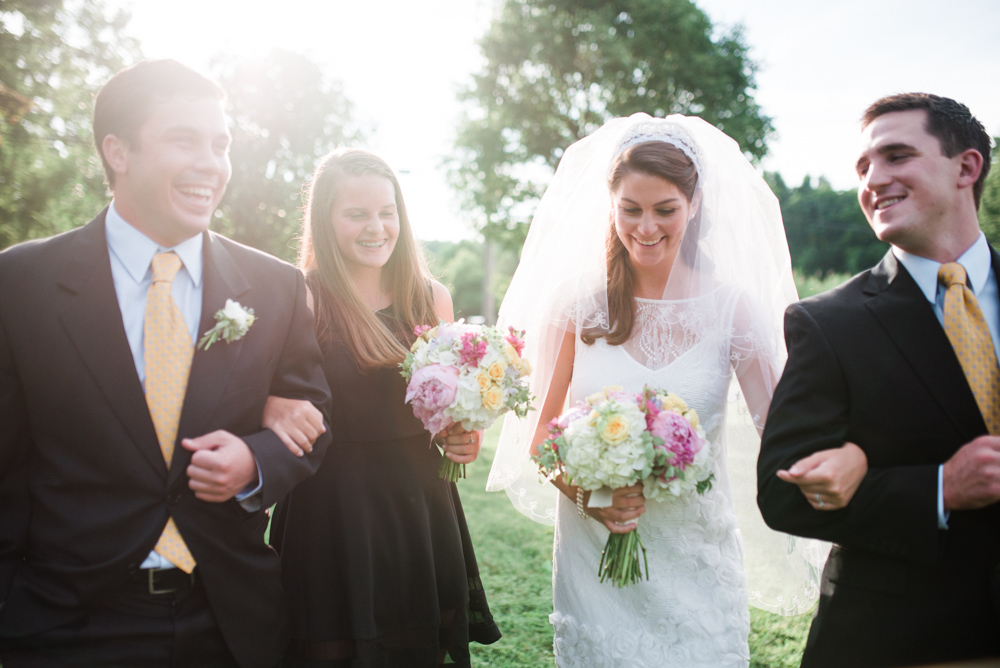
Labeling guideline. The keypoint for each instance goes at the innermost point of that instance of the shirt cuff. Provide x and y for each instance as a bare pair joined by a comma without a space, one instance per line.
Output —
249,498
942,515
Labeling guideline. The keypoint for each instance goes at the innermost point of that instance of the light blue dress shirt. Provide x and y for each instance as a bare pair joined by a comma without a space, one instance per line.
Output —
131,254
978,264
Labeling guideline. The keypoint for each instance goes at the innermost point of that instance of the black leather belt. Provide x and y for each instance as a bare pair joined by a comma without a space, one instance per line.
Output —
161,581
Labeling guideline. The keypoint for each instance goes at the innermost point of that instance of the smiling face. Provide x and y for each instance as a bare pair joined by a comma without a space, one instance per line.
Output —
169,181
650,217
365,221
908,188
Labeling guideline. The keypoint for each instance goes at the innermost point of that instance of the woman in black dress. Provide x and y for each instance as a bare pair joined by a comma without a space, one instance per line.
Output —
375,551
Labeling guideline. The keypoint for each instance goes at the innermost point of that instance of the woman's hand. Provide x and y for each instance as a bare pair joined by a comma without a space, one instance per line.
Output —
627,503
460,446
829,478
296,422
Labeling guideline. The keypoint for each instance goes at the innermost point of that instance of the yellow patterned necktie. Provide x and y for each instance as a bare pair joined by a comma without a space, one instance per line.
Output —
167,353
970,337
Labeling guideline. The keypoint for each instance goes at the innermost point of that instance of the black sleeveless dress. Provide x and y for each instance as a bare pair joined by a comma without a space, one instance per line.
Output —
376,556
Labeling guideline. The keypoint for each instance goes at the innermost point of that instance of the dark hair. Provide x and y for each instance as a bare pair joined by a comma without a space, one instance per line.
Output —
951,122
340,312
655,158
123,104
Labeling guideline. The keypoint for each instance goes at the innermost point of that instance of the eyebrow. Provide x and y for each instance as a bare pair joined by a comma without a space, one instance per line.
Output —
882,150
666,201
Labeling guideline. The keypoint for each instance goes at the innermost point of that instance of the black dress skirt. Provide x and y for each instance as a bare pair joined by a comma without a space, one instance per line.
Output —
376,555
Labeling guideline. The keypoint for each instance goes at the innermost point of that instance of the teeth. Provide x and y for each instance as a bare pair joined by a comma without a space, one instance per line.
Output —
887,202
200,192
372,244
648,243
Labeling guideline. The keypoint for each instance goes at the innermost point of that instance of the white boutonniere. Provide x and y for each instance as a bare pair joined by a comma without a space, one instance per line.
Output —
231,323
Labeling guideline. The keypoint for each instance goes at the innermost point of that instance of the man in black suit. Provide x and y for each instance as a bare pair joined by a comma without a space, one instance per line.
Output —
914,575
116,547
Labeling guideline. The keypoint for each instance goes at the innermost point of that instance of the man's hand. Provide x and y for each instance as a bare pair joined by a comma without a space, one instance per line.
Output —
972,475
221,467
829,478
296,422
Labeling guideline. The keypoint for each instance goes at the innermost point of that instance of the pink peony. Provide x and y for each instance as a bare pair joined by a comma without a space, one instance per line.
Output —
679,437
431,390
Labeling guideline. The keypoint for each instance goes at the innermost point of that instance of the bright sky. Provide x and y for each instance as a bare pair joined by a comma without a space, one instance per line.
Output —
401,63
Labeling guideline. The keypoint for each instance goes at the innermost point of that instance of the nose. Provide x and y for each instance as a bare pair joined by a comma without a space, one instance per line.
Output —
876,176
647,224
210,160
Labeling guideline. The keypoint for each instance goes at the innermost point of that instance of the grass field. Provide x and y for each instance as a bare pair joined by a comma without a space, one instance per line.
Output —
515,558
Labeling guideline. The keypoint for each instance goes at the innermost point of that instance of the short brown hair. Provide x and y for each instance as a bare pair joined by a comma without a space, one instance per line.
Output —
951,122
123,104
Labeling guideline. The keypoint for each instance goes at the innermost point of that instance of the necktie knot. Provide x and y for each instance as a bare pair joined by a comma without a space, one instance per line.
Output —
952,273
165,266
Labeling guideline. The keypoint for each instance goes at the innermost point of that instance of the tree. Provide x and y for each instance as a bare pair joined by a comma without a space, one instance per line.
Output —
989,206
286,115
556,70
54,55
825,228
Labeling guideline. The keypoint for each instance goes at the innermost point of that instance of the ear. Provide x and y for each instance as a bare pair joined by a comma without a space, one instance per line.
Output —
695,204
116,153
970,167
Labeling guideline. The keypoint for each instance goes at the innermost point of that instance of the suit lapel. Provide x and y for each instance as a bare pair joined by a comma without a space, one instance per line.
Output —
90,314
210,369
909,320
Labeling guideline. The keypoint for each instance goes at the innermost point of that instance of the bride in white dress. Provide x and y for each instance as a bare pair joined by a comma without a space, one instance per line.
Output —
677,280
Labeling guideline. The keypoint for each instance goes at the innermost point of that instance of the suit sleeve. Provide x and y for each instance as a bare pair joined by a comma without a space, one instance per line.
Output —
299,375
894,511
14,442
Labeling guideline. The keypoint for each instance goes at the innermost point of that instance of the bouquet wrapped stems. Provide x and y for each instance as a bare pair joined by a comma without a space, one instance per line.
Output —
620,559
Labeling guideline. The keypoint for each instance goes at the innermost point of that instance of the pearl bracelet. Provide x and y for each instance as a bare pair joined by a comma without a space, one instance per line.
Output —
579,503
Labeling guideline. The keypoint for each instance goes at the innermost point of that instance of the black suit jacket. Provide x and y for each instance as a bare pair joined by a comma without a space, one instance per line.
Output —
869,363
84,490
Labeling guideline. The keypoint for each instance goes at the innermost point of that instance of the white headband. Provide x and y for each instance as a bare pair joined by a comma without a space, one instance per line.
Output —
663,130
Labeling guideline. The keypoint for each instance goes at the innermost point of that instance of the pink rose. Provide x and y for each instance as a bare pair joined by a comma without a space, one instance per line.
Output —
431,390
678,436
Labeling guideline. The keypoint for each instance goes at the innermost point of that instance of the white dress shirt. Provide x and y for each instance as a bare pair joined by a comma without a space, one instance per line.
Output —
131,254
978,264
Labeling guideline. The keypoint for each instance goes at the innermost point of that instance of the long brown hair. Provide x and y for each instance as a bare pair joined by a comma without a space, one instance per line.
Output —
340,311
655,158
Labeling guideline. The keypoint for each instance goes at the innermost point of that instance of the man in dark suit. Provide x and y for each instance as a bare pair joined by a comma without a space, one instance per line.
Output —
116,547
914,575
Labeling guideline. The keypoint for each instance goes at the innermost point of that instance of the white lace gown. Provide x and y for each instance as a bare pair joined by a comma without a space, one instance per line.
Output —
693,611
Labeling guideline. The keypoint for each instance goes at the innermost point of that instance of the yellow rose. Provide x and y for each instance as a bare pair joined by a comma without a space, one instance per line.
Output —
525,367
609,389
484,381
510,352
596,398
675,403
497,370
493,398
615,429
691,415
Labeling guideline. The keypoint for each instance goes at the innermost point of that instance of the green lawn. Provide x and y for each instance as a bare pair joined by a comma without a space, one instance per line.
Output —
515,558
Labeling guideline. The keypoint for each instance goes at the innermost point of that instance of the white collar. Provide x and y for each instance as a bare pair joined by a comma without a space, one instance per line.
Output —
135,250
977,261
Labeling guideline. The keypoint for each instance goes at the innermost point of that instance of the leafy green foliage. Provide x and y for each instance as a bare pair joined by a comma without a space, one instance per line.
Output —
556,70
989,206
54,55
826,230
460,266
286,114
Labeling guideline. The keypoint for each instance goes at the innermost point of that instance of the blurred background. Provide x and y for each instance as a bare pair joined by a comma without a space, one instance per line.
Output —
473,102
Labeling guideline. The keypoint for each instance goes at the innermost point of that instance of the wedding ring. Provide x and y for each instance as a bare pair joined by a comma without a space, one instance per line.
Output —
819,501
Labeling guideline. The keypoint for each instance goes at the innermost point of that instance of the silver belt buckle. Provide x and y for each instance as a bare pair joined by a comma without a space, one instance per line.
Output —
152,581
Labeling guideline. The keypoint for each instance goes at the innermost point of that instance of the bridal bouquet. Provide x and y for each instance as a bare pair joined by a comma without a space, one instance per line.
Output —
465,373
616,439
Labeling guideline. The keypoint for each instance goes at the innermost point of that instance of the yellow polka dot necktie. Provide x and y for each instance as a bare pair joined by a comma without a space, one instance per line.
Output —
167,353
970,337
